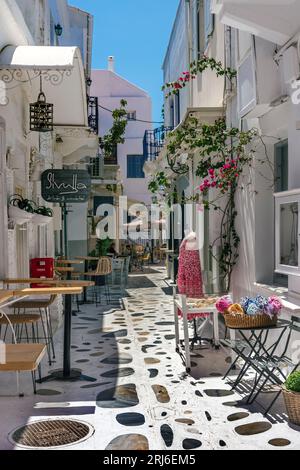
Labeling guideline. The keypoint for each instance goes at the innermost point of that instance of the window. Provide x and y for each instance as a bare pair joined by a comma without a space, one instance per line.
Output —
281,184
281,166
208,21
101,200
135,164
246,85
131,116
195,29
287,232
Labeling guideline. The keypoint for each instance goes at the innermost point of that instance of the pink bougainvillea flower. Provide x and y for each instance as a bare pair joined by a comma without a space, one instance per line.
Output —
224,303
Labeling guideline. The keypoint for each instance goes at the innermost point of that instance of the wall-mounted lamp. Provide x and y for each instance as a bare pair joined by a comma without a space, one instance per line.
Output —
89,81
58,29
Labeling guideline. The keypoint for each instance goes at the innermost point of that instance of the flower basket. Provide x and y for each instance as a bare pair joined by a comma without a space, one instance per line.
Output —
248,321
292,403
19,216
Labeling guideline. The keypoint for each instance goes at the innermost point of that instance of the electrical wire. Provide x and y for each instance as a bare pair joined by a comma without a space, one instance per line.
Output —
135,120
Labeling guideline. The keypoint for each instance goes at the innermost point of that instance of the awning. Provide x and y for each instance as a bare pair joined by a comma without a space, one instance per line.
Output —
63,78
275,21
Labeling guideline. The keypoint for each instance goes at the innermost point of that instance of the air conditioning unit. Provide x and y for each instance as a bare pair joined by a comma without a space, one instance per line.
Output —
290,65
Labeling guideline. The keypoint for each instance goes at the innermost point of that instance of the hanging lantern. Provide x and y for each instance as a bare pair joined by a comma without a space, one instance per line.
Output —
41,114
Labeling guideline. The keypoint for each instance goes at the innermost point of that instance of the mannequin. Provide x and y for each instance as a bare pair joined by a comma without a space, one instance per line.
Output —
189,273
191,241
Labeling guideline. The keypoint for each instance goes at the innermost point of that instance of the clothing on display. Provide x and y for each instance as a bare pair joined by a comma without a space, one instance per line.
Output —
189,273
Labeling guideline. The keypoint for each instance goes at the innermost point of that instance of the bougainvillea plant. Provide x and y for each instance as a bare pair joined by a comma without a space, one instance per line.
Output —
221,155
196,67
116,134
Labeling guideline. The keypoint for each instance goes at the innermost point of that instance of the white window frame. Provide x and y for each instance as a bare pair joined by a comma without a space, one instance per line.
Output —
240,59
131,115
286,197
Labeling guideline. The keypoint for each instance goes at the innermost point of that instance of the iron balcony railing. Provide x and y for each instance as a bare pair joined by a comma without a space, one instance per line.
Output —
154,141
93,114
113,158
97,167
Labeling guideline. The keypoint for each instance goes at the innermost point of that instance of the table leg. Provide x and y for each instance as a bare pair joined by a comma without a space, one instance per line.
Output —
216,329
177,339
67,335
67,374
86,267
186,336
232,334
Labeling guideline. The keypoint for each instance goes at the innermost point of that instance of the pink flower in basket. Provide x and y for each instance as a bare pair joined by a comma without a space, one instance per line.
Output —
224,303
274,306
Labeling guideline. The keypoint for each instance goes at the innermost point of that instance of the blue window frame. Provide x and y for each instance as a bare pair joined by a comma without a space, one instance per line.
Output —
135,164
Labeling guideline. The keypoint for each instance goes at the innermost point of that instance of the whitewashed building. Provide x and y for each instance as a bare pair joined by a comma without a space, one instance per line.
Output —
261,41
51,41
110,88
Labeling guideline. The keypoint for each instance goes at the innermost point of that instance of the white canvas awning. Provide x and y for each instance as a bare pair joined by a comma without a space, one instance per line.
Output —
63,78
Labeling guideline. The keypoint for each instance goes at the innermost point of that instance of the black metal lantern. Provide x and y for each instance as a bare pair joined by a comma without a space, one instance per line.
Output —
41,114
89,81
58,29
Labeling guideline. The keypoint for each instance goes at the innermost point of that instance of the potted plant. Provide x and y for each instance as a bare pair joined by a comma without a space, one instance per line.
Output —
43,216
21,210
291,394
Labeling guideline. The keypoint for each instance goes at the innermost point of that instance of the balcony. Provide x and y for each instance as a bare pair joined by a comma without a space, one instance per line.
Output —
154,140
97,167
274,21
112,159
93,114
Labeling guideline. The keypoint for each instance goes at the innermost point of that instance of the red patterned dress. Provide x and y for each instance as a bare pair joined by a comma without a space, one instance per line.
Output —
190,276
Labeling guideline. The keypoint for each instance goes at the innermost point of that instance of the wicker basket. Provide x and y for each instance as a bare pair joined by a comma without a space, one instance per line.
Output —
292,403
248,321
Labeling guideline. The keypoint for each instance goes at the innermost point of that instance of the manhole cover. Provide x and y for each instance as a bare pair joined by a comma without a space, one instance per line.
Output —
51,433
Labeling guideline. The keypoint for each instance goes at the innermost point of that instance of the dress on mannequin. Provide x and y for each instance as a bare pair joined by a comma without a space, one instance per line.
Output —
189,273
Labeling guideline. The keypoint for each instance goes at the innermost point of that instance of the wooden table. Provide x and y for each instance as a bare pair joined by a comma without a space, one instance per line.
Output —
67,288
68,262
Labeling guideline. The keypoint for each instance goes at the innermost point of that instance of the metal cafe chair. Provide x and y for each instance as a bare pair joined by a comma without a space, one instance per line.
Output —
27,324
21,357
275,369
102,271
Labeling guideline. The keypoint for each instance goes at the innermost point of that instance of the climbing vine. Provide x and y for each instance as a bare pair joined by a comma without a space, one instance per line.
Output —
116,134
196,67
222,155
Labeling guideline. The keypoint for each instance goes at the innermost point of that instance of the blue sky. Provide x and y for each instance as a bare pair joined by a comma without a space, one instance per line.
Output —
136,32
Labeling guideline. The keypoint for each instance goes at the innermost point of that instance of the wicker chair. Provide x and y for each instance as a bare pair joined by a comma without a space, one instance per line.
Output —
103,270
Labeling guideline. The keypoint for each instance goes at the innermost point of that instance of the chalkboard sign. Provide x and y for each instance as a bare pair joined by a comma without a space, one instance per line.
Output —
66,186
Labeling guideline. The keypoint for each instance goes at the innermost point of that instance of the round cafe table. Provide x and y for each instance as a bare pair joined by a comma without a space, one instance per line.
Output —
67,289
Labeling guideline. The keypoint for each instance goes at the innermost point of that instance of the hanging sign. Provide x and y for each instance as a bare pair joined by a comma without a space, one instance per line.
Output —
66,186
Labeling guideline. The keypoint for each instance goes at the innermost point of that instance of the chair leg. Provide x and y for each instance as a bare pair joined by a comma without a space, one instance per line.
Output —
40,372
272,403
19,393
49,321
33,381
46,336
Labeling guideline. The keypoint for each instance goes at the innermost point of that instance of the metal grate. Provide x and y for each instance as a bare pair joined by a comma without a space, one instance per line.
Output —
51,433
